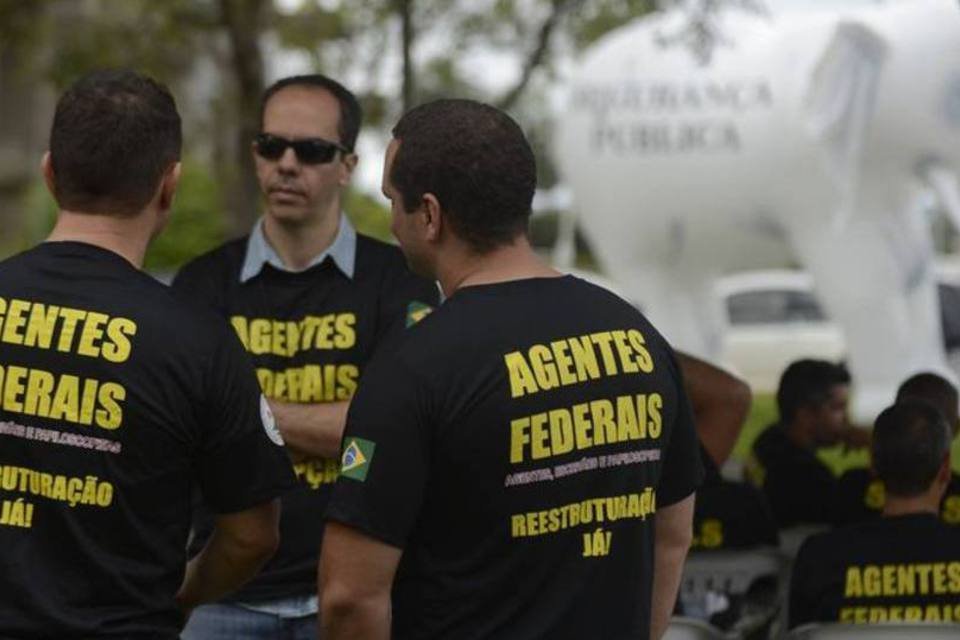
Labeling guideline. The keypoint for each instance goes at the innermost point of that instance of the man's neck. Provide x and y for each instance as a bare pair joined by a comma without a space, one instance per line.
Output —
128,237
515,261
298,245
928,502
799,436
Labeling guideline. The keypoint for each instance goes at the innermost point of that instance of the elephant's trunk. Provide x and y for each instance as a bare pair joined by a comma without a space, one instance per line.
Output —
943,181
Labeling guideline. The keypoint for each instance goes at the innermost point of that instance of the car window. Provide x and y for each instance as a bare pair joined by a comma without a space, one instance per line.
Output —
773,306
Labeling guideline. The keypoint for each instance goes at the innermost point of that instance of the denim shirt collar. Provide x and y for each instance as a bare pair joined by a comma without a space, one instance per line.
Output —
343,252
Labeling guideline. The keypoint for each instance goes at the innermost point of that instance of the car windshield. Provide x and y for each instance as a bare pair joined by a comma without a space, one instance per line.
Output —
773,306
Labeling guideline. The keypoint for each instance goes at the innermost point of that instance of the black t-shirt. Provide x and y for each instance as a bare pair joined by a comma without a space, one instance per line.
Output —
800,489
711,472
904,568
310,335
116,402
516,447
730,515
864,496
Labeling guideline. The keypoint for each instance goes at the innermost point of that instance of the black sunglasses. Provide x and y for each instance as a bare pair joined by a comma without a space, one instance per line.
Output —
308,150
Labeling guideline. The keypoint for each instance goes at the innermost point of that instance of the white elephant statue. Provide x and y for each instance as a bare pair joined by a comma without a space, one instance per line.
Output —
696,147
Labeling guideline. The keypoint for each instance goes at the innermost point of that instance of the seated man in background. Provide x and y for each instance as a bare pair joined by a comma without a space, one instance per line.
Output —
904,566
812,402
863,494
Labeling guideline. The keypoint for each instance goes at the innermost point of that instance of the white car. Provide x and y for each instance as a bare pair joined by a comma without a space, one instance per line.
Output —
774,318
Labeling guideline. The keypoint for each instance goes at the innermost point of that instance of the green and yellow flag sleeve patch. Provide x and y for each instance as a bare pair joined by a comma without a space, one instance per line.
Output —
417,311
357,455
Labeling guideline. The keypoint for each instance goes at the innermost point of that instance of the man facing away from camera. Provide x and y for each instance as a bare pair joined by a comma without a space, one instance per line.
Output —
905,565
523,465
863,493
117,400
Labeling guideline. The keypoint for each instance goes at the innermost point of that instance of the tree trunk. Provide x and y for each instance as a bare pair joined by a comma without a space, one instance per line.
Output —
405,8
242,20
537,54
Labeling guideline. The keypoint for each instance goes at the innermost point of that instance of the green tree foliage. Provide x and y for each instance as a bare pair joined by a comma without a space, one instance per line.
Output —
593,20
368,215
359,41
197,223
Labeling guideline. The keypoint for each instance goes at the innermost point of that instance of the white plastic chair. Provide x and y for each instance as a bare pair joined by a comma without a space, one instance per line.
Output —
713,580
690,629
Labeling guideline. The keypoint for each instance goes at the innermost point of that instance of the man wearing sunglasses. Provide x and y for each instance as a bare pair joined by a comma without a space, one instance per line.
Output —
311,299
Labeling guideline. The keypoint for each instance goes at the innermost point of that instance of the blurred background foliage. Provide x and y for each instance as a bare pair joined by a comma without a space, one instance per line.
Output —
218,55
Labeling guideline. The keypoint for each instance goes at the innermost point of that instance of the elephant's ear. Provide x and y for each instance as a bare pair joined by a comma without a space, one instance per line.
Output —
839,98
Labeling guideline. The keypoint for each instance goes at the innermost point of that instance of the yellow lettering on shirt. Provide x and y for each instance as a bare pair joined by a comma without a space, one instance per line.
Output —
590,513
62,397
913,612
585,425
287,338
541,367
311,383
87,333
904,579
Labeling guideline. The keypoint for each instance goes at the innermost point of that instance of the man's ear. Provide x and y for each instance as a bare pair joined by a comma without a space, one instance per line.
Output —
46,168
349,162
168,185
944,474
432,217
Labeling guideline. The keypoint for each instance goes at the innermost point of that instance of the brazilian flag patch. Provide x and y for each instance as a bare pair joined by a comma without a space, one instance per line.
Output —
417,311
356,458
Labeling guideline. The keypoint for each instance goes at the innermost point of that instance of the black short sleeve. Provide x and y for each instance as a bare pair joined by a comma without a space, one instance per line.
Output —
242,461
385,462
405,299
682,467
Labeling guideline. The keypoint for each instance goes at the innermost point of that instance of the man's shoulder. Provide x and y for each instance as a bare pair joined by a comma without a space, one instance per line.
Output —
128,291
169,311
222,262
834,543
494,315
15,261
373,253
856,476
770,440
954,486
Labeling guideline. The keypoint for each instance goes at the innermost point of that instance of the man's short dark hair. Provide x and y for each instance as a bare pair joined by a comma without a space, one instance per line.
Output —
934,389
910,441
351,115
114,134
807,383
475,160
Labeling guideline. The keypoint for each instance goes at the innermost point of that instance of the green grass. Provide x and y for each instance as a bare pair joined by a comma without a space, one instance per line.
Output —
764,412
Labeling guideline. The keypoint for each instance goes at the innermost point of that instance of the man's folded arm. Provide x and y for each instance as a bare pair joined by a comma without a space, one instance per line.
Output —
240,544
